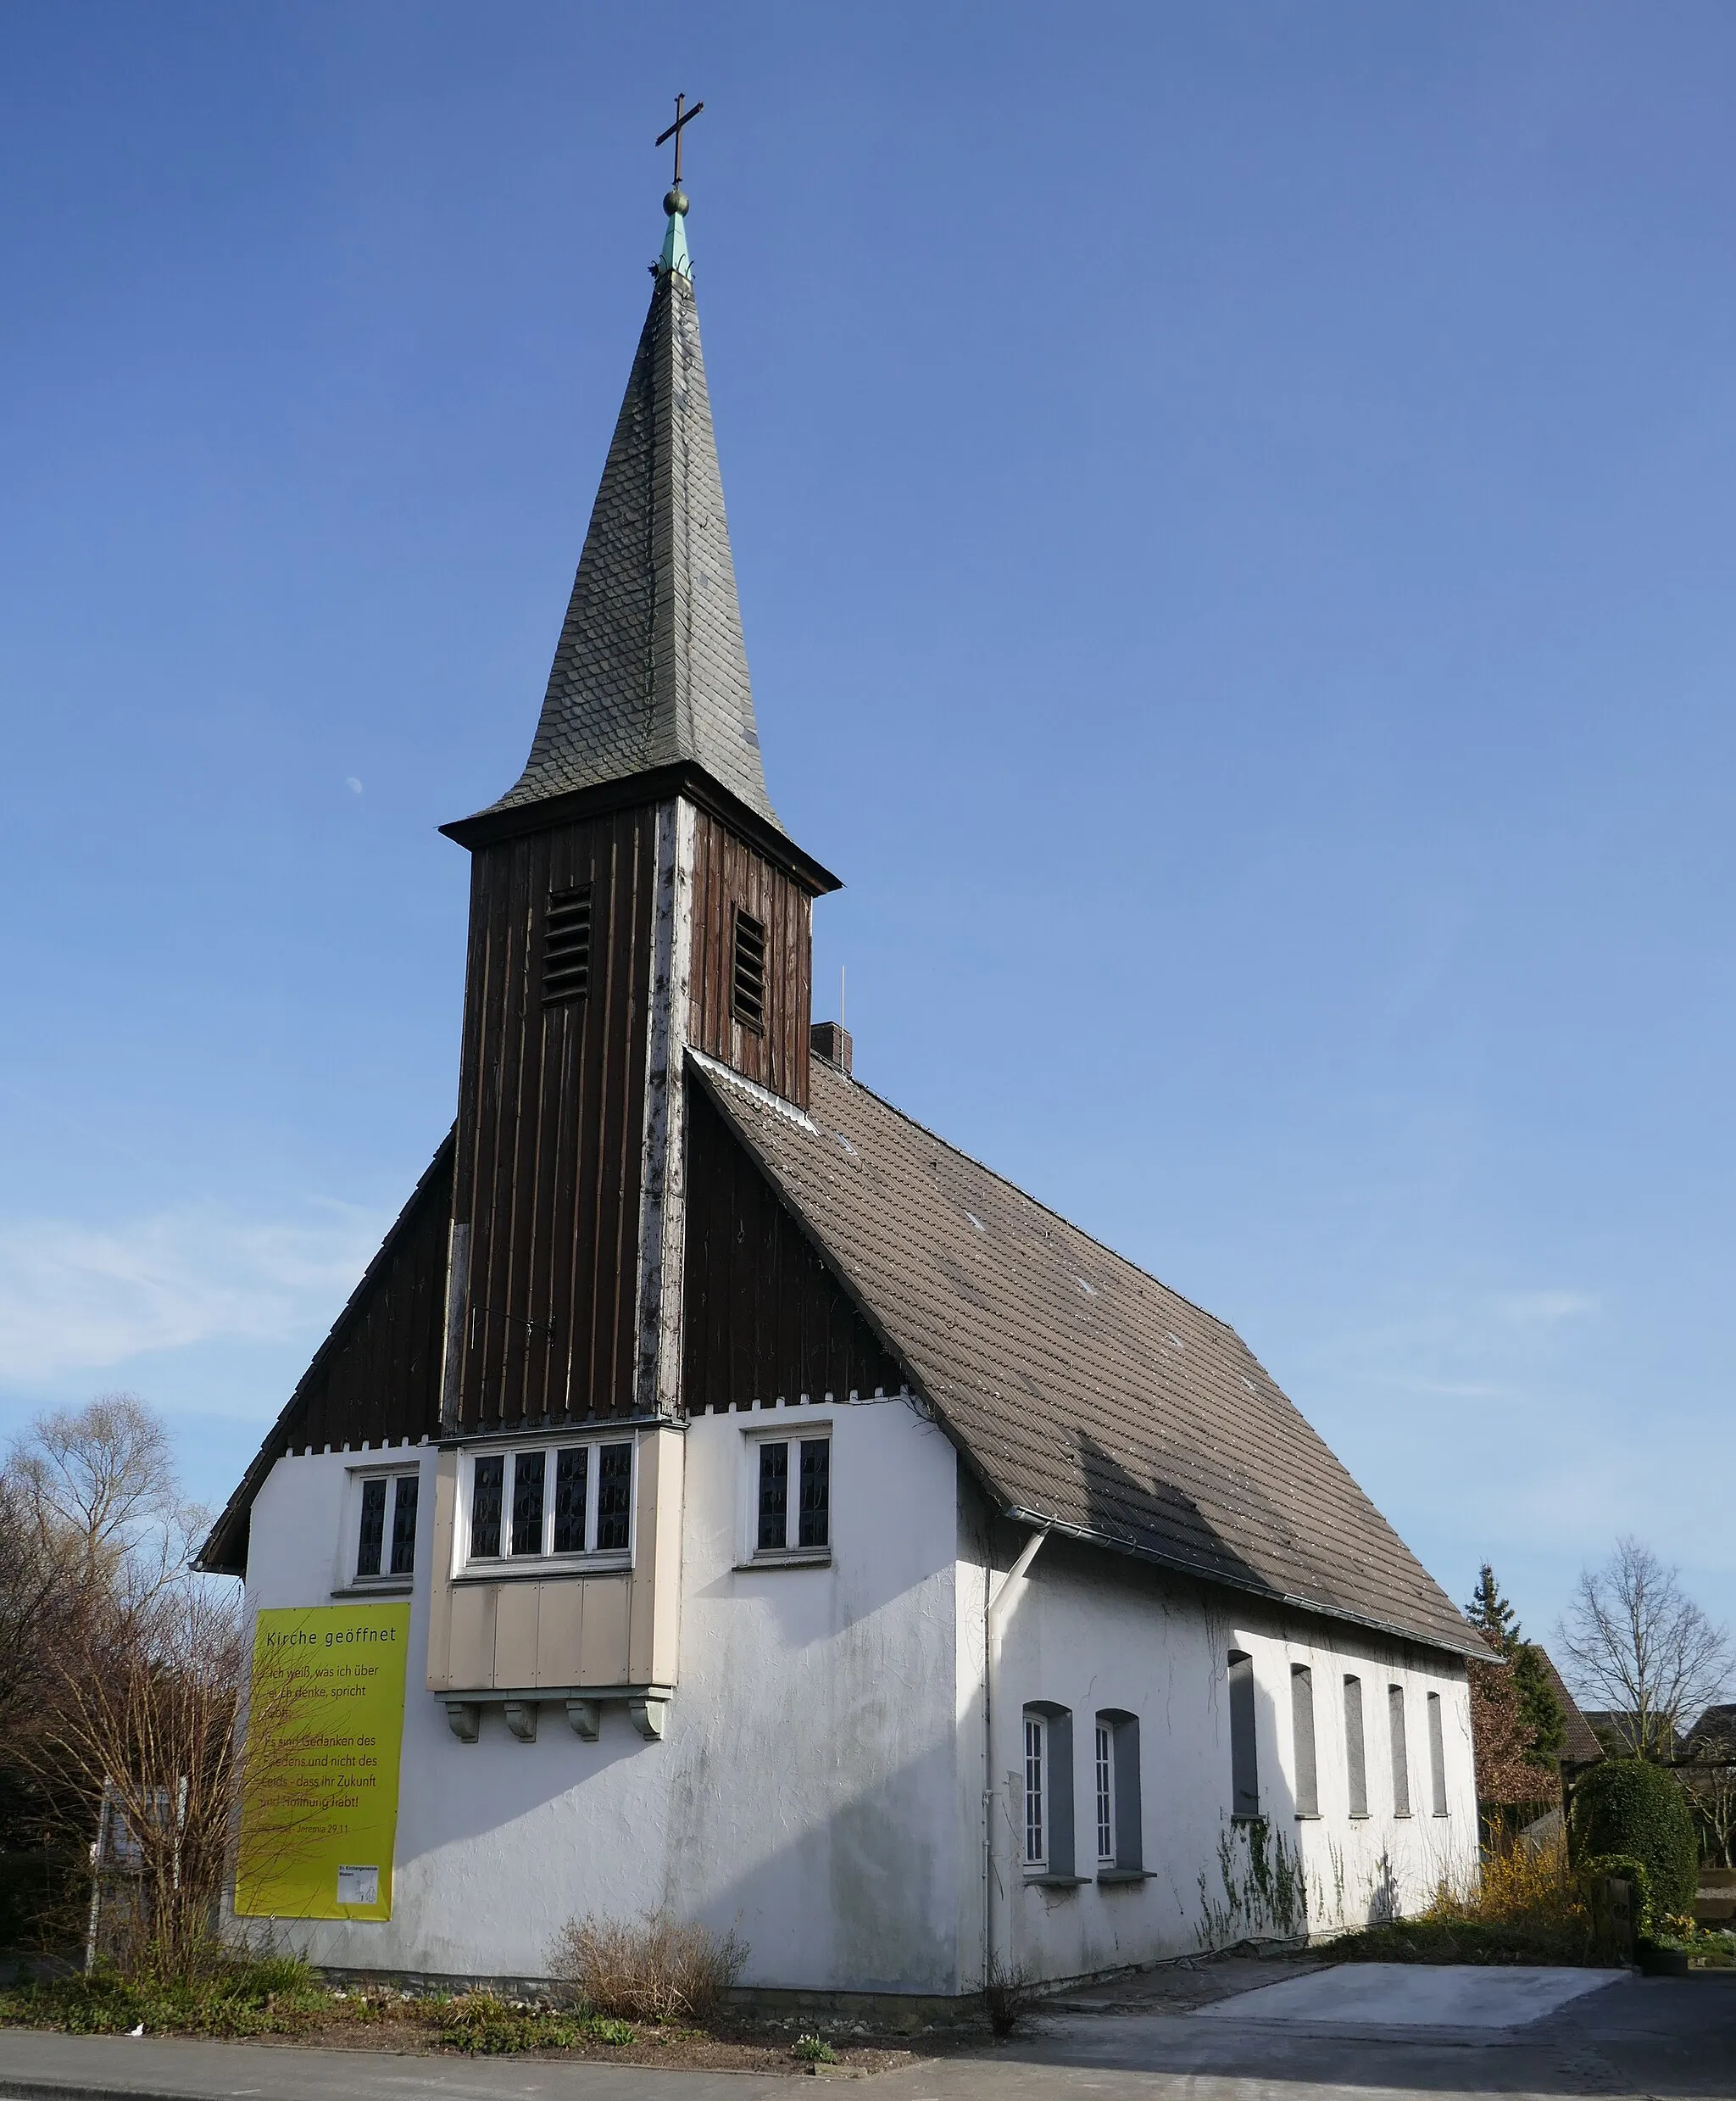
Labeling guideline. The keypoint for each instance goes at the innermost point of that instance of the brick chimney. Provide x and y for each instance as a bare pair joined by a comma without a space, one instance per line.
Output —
832,1041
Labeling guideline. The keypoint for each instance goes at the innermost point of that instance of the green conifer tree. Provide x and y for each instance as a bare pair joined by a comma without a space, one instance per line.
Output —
1542,1725
1490,1613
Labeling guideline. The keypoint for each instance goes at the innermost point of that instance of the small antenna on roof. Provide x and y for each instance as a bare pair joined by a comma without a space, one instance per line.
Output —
840,996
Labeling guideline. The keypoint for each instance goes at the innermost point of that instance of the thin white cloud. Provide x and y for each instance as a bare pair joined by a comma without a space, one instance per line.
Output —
78,1297
1543,1308
1449,1389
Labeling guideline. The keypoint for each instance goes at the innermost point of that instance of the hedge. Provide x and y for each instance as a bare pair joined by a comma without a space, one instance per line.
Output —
1626,1805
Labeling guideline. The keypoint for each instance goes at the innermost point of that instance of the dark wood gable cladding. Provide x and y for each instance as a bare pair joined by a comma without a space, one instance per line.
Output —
376,1378
730,878
551,1123
764,1319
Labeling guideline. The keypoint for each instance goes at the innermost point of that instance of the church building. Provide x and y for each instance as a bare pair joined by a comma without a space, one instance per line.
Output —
801,1531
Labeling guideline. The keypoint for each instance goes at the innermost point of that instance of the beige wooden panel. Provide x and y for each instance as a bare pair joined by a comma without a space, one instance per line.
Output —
516,1634
560,1632
666,1572
603,1650
439,1588
655,1621
641,1592
472,1653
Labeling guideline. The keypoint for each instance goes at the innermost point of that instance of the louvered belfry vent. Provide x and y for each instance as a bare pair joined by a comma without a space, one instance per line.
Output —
747,993
566,946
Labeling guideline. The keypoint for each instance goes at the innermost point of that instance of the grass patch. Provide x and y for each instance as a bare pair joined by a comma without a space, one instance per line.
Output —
483,2024
271,1996
280,1995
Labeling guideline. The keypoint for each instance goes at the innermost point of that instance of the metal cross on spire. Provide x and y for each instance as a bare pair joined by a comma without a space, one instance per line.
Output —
683,117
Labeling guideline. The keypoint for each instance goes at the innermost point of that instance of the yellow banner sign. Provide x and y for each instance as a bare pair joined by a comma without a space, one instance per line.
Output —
324,1735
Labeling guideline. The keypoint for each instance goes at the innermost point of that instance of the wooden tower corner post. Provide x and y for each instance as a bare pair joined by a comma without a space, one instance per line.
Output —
662,1191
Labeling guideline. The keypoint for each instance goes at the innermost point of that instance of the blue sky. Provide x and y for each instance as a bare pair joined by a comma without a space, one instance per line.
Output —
1232,506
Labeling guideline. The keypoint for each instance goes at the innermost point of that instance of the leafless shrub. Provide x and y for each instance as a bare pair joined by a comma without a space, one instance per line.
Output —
653,1968
1008,1994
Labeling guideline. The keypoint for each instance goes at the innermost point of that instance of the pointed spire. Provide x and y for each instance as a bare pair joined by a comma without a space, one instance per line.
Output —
651,670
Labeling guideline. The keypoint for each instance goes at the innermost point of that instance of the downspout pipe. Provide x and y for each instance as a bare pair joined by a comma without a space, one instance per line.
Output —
998,1595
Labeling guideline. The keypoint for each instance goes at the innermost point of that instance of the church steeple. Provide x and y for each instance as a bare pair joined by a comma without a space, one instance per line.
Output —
651,670
634,903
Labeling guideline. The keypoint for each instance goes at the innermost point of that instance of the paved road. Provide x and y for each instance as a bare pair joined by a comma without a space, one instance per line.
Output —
1672,2039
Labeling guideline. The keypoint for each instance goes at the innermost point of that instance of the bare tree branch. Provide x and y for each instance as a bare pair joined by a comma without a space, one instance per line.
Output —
1639,1647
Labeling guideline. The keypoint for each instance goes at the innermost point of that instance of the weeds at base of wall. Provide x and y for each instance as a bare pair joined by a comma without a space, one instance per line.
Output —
1264,1892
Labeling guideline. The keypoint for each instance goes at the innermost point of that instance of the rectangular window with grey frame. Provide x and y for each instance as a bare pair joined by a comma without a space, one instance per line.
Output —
1437,1756
1355,1752
1245,1760
1401,1754
1302,1730
792,1506
1036,1793
386,1541
1049,1771
1120,1834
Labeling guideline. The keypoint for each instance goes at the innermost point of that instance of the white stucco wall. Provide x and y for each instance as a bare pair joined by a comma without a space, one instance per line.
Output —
1090,1631
819,1788
804,1793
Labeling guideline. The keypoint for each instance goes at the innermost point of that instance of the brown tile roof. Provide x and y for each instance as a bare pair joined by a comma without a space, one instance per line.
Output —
1581,1745
1084,1392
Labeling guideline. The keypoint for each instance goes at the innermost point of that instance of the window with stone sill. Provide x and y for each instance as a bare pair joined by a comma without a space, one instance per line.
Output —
1119,1838
1048,1798
790,1479
564,1505
386,1529
1105,1794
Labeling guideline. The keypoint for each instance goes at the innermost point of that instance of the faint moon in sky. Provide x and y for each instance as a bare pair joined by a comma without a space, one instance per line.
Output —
353,785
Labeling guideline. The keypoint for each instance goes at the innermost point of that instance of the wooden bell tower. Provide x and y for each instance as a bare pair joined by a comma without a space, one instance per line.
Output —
634,900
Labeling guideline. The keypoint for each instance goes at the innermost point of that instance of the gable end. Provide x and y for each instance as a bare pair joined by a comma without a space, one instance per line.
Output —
376,1378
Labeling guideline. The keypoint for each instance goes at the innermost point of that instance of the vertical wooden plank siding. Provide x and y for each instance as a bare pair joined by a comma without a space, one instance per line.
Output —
764,1318
726,874
550,1111
378,1376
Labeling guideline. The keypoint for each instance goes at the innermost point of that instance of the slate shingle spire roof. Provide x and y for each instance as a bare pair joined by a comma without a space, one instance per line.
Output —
651,670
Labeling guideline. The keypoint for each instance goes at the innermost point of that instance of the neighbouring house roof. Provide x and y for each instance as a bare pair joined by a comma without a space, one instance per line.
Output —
1581,1746
1714,1735
1615,1726
1086,1395
651,670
